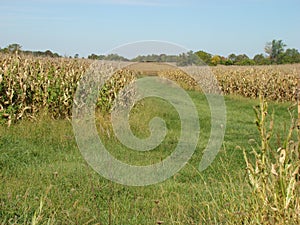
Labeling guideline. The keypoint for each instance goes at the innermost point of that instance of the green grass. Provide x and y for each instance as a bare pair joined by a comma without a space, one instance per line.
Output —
45,180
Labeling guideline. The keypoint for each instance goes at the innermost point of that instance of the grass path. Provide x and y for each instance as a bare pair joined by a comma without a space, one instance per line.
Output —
44,179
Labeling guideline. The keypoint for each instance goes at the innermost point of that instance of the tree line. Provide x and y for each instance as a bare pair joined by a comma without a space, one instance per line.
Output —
275,53
17,48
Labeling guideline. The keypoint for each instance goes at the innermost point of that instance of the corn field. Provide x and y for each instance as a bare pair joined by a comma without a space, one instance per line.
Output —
30,86
274,83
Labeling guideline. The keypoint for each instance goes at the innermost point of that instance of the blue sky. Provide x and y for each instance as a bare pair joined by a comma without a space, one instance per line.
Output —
96,26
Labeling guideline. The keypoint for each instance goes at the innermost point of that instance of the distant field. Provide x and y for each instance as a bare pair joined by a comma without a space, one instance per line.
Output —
150,68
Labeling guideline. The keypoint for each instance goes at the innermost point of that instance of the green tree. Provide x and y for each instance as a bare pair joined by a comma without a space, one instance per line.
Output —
182,60
224,60
48,53
189,58
260,59
243,59
290,56
232,57
274,49
193,59
93,56
204,56
228,62
115,57
12,48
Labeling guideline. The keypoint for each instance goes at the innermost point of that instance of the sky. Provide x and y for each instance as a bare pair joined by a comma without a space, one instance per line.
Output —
97,26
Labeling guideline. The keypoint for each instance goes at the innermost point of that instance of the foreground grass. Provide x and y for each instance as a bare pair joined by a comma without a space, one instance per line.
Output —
45,180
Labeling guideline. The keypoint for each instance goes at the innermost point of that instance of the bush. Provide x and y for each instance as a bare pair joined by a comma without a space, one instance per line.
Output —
274,173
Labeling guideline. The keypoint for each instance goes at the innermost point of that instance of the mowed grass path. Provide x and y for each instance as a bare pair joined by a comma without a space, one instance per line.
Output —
45,180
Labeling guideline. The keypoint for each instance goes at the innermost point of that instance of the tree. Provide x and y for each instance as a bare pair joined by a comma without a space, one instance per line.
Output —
162,58
215,60
260,59
228,62
232,58
243,59
182,60
204,56
115,57
48,53
290,56
12,48
274,49
193,59
223,60
93,56
189,58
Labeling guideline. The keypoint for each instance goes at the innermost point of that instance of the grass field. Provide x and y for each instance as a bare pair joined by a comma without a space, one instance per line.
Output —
45,180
